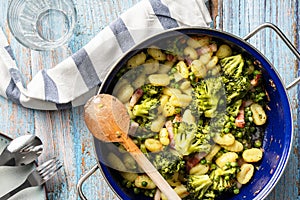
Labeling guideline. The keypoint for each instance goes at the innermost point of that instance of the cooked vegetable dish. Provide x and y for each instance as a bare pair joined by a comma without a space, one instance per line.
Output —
198,112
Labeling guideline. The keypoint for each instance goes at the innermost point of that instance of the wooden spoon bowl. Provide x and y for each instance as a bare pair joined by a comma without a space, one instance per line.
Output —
107,119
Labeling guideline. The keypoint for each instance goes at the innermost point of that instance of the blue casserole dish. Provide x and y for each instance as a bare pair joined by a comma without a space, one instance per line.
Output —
278,134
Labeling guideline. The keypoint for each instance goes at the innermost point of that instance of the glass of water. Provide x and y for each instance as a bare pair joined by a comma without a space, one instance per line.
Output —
42,24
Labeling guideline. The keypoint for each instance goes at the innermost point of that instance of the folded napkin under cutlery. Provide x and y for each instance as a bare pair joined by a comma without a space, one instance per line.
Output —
20,177
36,177
73,81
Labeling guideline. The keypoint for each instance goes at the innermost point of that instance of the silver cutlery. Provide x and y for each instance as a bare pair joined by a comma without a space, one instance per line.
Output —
21,151
37,177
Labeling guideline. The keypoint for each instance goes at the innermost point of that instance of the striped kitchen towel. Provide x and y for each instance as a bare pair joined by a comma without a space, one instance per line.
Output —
73,81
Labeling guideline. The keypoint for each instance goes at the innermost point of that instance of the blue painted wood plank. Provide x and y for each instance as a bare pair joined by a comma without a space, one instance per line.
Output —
64,132
238,17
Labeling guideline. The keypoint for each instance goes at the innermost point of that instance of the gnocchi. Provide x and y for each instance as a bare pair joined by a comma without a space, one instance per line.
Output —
163,100
143,181
116,162
259,115
245,174
252,155
158,123
198,68
182,69
215,149
164,137
137,60
188,117
169,109
125,93
200,169
235,147
139,81
164,69
181,190
129,176
151,66
198,42
180,100
190,52
159,79
153,145
226,158
129,162
224,51
205,58
212,63
185,86
156,53
224,140
171,91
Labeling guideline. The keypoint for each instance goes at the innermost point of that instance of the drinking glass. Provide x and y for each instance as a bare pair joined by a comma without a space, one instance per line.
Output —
42,24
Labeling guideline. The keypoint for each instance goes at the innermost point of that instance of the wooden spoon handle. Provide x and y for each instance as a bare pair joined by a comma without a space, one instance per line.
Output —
150,170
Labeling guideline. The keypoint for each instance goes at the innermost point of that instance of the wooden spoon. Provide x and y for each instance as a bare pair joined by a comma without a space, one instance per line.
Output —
107,119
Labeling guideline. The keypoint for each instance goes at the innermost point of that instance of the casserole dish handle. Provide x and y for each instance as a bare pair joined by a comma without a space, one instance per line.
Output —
83,179
285,40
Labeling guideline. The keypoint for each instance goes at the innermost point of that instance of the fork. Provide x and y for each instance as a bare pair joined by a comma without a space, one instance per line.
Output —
21,151
37,177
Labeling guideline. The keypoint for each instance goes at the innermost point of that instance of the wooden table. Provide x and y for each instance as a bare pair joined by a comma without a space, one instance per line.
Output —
64,132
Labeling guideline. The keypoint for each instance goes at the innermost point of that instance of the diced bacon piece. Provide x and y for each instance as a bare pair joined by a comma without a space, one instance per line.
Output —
240,119
213,47
133,128
177,118
254,82
169,127
188,61
191,162
136,96
207,49
171,58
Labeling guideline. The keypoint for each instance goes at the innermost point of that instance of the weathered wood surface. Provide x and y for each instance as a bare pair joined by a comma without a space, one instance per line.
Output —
64,132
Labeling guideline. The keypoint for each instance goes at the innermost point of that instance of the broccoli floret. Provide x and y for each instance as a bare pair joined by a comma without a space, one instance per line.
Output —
234,108
233,66
236,88
210,95
188,140
198,185
144,113
237,83
212,126
224,179
219,181
145,108
167,162
151,91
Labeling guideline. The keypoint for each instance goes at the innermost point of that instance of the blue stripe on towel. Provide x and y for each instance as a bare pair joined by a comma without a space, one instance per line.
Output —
13,92
10,52
122,34
51,92
86,68
15,75
163,14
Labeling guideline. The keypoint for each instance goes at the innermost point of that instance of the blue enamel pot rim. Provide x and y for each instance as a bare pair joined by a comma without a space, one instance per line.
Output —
280,166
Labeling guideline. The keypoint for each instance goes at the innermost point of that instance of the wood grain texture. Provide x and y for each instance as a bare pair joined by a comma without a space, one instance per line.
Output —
241,16
64,132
